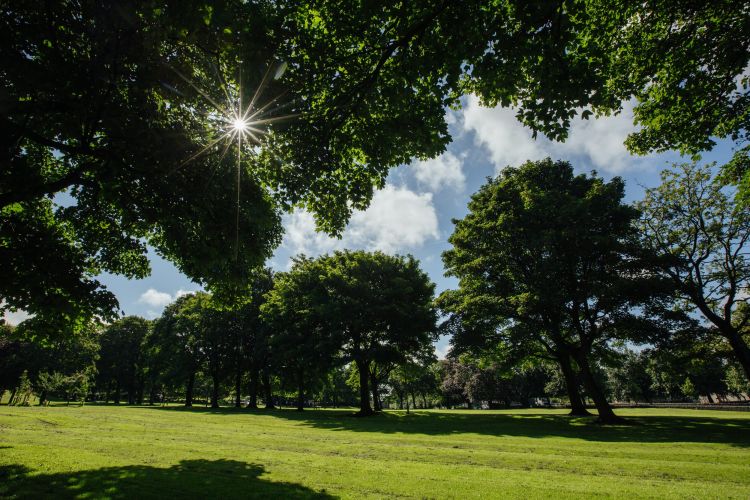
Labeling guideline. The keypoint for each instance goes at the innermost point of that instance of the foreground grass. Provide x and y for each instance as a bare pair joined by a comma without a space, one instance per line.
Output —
141,452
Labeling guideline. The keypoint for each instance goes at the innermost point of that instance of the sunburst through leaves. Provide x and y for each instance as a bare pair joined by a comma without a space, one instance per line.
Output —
241,124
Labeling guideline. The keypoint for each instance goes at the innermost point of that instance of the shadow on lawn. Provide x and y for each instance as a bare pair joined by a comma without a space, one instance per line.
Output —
538,424
188,479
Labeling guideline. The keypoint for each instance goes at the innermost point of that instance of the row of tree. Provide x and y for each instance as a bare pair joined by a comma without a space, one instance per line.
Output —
368,310
127,362
553,267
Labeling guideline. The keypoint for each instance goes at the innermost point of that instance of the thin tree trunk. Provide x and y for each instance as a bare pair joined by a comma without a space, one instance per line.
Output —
238,387
375,395
117,392
215,391
606,415
189,390
267,392
364,393
253,390
300,389
577,406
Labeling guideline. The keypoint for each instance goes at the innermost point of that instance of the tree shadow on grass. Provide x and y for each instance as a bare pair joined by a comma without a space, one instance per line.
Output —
188,479
535,424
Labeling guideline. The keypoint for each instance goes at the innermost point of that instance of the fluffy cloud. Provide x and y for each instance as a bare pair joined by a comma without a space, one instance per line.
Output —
443,171
155,298
397,220
597,140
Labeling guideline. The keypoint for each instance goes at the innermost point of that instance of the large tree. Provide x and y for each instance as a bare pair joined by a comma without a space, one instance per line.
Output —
122,362
368,85
548,263
382,306
303,340
177,341
694,221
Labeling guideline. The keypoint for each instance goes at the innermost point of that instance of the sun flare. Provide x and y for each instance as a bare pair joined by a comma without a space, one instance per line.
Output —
239,124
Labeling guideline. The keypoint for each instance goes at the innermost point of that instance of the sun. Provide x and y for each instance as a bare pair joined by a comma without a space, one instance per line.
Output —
239,124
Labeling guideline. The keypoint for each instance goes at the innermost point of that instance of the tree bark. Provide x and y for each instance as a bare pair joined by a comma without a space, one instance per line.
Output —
375,394
300,389
253,390
577,407
606,415
215,391
364,393
189,390
238,388
267,392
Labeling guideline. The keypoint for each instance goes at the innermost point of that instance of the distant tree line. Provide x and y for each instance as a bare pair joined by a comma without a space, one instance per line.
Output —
565,292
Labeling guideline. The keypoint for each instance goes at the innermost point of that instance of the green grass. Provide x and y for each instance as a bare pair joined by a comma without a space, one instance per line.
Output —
141,452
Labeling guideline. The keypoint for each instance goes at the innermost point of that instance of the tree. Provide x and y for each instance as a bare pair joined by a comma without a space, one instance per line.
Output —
177,337
693,221
251,335
115,134
630,380
303,339
548,265
381,306
122,357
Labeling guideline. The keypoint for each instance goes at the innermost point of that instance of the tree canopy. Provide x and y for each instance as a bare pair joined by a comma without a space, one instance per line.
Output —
129,135
549,266
695,222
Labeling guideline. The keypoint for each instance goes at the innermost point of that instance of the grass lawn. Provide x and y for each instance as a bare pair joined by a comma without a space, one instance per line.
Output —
142,452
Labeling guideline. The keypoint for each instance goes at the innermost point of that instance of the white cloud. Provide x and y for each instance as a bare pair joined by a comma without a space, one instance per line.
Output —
445,170
155,298
597,140
396,221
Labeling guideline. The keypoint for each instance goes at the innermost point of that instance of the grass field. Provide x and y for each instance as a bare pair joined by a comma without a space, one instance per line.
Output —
142,452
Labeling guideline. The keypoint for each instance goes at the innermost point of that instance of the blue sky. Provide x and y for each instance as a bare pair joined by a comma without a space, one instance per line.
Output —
413,213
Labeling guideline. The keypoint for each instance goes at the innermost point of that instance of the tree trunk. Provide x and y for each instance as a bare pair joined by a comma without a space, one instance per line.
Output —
375,395
300,389
253,390
42,398
413,401
117,392
577,407
267,392
606,415
364,393
238,388
741,350
189,390
215,391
